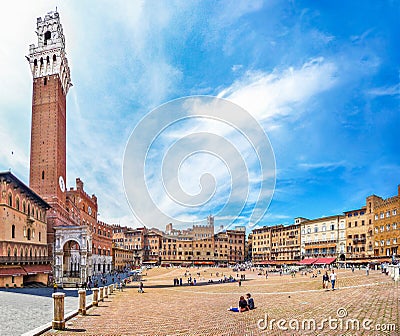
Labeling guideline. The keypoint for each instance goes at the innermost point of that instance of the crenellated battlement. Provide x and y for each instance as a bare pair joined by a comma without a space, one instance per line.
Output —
48,57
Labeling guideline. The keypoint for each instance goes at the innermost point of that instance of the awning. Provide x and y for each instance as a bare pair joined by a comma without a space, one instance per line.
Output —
7,271
276,262
265,262
35,269
325,261
204,263
308,261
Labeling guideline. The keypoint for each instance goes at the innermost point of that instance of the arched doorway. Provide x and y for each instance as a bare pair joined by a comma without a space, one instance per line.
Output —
71,260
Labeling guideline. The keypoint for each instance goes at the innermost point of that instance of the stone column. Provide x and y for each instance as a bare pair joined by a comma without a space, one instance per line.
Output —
101,293
82,301
58,322
95,301
110,288
105,289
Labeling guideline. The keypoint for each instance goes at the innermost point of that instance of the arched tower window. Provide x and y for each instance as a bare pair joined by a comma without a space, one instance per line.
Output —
47,36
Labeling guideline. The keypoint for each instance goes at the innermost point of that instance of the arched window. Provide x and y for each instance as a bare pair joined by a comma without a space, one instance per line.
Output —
13,231
10,199
17,203
30,252
23,206
54,58
29,234
41,60
9,252
45,81
48,59
29,209
35,62
43,175
21,252
47,36
40,236
26,252
15,252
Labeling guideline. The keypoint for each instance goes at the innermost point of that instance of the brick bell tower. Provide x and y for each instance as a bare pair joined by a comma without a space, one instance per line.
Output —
51,82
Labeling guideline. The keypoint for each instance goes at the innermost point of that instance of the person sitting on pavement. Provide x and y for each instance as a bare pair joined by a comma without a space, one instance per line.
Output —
250,301
243,306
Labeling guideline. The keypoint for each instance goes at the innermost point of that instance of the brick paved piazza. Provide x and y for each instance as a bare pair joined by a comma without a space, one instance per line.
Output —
202,310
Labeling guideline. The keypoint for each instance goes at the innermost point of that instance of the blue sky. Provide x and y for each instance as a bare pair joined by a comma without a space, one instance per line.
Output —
322,78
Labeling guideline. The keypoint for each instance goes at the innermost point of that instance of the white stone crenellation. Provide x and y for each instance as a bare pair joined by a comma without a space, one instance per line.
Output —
49,56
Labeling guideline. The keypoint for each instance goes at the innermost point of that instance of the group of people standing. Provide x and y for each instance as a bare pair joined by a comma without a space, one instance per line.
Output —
178,282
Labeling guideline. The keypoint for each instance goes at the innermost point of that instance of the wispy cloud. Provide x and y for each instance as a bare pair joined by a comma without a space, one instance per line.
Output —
393,90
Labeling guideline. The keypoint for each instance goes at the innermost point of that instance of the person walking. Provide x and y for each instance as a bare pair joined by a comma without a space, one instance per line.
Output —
333,279
325,280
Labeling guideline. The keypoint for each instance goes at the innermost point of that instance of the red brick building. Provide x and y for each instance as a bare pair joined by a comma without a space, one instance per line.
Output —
23,239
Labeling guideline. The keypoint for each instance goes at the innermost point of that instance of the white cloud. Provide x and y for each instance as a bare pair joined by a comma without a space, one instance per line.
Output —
275,94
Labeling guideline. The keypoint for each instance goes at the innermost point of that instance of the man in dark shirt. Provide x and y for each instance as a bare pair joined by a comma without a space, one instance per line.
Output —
250,301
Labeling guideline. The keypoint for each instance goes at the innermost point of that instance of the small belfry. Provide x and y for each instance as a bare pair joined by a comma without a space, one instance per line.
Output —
49,56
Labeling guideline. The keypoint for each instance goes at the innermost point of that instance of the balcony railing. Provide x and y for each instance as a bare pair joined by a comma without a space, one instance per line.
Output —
18,259
359,240
322,242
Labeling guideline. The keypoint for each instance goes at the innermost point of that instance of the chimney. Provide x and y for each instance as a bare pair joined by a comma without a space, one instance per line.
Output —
79,184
